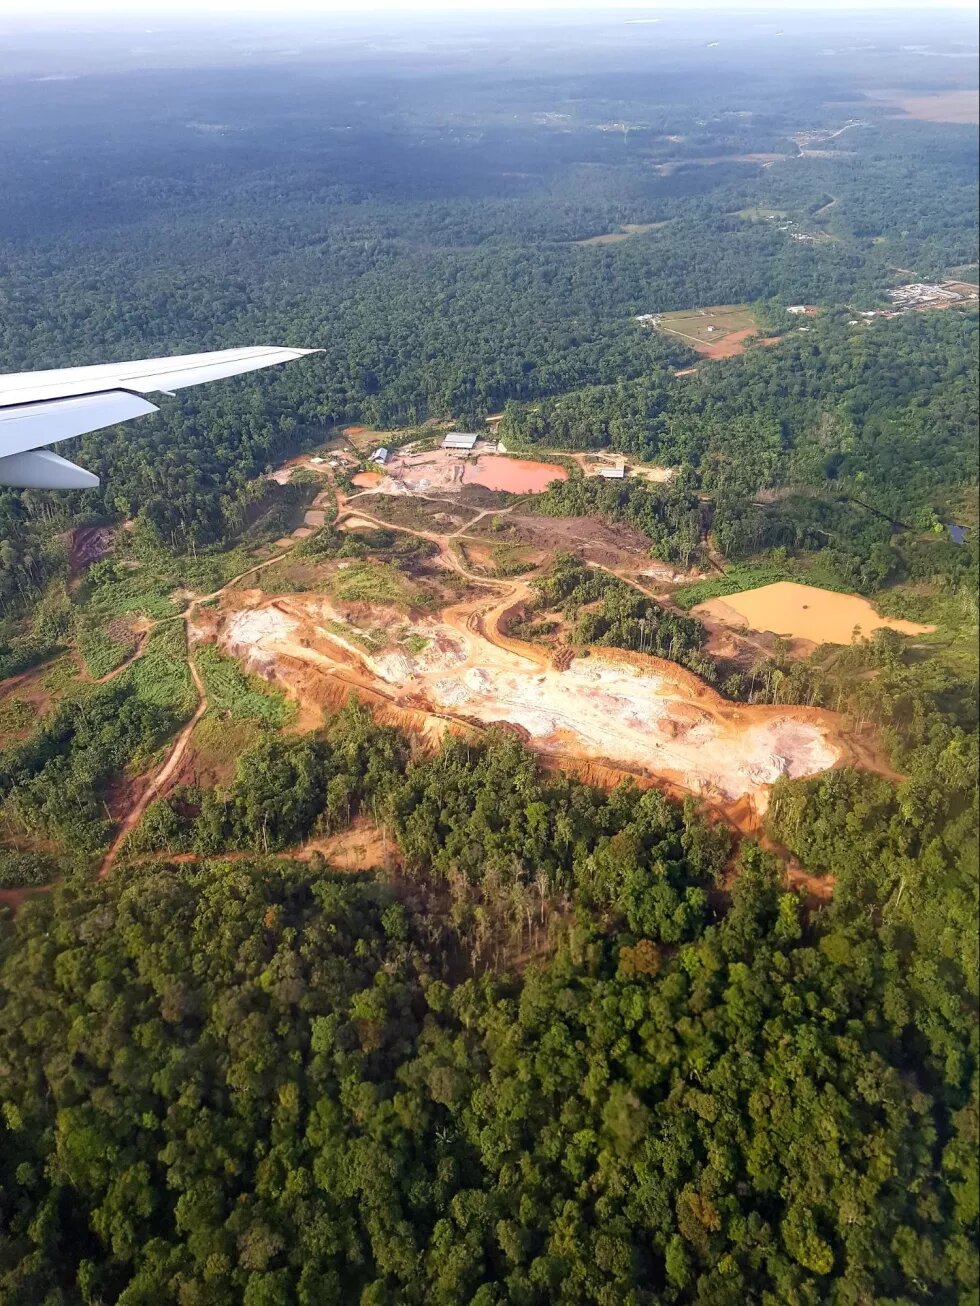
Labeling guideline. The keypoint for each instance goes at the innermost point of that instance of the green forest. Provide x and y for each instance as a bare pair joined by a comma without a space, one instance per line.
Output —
586,1044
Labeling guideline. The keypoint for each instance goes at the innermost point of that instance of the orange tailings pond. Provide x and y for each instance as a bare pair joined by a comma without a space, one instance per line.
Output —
514,474
639,713
804,612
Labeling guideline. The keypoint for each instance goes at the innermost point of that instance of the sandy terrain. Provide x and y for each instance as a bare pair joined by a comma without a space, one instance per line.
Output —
803,612
637,713
937,106
731,346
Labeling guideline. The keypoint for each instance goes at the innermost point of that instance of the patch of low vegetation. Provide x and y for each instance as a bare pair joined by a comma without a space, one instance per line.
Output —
16,715
155,583
415,643
25,869
103,649
115,588
373,582
509,560
62,674
740,576
53,784
18,655
160,675
373,641
235,693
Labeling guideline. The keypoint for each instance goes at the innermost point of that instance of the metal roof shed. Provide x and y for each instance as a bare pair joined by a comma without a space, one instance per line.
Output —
459,440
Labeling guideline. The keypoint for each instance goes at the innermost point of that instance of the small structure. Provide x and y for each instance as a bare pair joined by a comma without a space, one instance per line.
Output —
616,473
461,440
796,309
957,533
380,456
316,461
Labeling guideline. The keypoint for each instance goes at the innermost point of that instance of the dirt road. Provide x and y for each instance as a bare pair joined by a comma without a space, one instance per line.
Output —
160,778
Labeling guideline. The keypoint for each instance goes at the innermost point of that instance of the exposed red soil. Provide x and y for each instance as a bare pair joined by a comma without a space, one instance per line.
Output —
88,545
732,345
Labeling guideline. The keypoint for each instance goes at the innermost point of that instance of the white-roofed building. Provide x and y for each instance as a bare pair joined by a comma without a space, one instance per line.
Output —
461,440
380,456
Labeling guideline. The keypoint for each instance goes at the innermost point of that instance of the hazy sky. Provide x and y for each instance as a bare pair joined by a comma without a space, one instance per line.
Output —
283,9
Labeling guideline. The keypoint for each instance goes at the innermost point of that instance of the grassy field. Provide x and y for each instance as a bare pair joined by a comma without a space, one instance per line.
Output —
756,213
705,327
626,230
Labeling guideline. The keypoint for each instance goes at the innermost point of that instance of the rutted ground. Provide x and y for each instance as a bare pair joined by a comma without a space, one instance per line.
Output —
438,655
630,711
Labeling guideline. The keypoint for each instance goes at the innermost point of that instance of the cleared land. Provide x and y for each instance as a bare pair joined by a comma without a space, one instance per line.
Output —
719,331
626,230
434,471
673,165
622,710
803,612
937,106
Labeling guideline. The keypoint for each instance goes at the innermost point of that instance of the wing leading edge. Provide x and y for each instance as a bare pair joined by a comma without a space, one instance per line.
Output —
39,408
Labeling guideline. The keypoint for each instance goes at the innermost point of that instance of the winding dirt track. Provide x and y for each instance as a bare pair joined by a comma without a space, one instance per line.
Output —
157,781
483,617
173,759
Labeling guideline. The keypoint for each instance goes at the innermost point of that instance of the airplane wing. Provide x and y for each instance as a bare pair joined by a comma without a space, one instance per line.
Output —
38,408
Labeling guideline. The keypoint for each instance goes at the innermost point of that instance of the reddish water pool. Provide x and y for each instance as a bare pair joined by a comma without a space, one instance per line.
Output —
514,474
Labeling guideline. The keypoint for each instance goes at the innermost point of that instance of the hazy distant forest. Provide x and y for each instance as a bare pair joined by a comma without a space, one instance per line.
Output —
244,1079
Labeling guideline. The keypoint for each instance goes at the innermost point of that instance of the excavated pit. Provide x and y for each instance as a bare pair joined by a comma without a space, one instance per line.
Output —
640,714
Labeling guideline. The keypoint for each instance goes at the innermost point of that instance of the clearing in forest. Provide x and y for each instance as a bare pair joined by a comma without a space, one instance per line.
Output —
719,331
626,230
461,668
955,106
803,612
436,471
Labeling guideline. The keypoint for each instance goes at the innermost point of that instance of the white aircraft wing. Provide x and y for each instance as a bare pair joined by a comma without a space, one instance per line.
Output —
38,408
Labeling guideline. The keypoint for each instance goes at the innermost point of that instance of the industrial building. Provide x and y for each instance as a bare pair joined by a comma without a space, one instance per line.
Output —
460,440
380,456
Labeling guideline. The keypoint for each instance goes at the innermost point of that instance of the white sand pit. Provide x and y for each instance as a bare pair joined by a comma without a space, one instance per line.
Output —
248,635
246,629
443,650
621,713
607,710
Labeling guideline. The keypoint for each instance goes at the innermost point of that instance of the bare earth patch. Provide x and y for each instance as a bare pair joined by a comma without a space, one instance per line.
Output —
937,106
640,714
803,612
